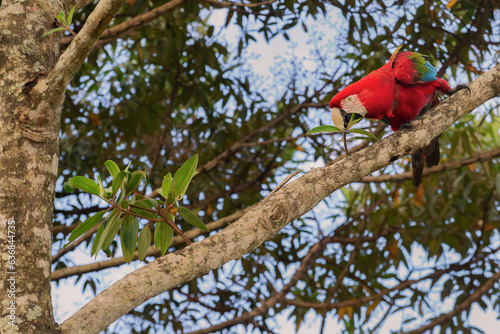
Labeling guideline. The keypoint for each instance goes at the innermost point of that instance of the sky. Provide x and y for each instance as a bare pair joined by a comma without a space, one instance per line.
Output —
267,60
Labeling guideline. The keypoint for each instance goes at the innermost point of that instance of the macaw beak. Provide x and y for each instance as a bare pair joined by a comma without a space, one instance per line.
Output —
340,118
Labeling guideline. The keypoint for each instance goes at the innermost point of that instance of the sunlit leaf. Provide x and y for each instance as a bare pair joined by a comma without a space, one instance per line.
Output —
183,176
70,15
323,128
85,226
112,167
118,182
53,31
85,184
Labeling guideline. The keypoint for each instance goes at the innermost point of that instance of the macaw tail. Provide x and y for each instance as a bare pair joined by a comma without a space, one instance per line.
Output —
430,154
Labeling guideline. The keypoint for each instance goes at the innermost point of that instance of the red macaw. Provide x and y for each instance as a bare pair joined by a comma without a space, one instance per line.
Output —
396,93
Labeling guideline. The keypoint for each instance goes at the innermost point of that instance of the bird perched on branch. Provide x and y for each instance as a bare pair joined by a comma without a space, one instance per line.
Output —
397,93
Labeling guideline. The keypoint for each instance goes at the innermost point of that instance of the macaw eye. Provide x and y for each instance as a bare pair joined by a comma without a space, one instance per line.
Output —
349,98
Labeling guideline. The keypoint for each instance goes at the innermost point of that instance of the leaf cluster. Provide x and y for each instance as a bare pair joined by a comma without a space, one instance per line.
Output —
126,208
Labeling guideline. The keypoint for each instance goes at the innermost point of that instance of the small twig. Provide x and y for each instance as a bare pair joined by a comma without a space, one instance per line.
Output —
172,225
345,143
285,181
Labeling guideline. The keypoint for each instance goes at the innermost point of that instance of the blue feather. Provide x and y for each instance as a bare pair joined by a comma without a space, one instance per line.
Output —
429,73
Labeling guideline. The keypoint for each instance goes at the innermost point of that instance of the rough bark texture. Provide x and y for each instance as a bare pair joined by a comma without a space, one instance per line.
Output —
273,213
28,165
33,78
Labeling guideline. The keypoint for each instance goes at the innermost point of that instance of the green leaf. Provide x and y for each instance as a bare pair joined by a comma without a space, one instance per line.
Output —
147,204
85,184
168,239
134,181
118,182
124,204
171,197
323,128
112,167
102,191
353,122
61,17
85,226
191,218
366,133
130,228
67,187
165,185
144,242
96,240
183,176
161,237
112,225
53,31
110,235
70,15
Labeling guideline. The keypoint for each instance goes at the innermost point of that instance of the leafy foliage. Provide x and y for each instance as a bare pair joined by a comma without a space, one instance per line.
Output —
64,21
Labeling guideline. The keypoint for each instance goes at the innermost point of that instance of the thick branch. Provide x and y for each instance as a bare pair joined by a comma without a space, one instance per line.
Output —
480,157
70,61
267,218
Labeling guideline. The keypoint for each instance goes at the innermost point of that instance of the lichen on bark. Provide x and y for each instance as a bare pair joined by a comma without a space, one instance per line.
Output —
28,166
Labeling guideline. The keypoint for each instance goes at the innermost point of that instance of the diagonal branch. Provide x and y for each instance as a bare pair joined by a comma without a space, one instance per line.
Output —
128,26
72,59
267,218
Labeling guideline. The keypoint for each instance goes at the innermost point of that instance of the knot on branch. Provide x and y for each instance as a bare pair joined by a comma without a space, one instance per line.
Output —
278,214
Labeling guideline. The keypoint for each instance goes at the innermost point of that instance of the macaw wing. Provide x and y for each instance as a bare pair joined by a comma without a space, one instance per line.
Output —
413,68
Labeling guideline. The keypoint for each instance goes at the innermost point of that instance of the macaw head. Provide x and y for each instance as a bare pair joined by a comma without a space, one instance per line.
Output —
343,105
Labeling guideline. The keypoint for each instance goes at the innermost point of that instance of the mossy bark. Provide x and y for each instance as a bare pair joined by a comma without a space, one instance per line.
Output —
29,127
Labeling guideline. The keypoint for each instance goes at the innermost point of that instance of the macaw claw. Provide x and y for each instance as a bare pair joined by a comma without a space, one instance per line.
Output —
457,88
407,126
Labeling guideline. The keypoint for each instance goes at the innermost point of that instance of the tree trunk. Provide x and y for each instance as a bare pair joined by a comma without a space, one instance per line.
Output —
29,128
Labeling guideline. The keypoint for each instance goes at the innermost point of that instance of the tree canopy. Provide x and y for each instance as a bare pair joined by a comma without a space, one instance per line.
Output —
166,82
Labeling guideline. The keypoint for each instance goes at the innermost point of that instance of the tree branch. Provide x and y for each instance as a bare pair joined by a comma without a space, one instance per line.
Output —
480,157
455,267
240,143
267,218
128,26
53,87
459,308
